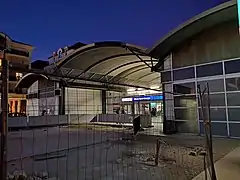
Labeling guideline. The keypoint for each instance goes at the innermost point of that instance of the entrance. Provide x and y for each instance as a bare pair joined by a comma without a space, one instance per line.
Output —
147,105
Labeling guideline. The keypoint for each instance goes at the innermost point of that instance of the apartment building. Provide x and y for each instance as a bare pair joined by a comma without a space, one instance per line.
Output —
19,56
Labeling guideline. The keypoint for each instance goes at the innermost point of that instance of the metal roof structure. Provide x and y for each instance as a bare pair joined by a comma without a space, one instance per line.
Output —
113,63
214,16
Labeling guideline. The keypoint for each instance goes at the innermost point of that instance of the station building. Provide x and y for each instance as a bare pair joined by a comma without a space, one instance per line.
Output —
103,77
98,78
204,49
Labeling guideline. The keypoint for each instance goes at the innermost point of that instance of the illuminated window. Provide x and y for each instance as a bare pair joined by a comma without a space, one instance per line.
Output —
19,75
0,62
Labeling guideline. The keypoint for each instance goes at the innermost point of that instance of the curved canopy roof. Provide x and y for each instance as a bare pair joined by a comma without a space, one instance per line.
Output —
110,62
219,14
28,79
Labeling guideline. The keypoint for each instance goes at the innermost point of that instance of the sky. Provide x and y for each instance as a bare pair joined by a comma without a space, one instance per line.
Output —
51,24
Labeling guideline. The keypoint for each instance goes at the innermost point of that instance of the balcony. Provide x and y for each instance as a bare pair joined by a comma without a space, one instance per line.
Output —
18,66
17,52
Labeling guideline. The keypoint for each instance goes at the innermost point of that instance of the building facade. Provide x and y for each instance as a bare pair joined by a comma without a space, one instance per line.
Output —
49,97
18,55
211,56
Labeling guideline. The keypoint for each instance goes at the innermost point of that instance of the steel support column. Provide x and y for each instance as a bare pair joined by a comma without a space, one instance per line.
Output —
104,102
62,100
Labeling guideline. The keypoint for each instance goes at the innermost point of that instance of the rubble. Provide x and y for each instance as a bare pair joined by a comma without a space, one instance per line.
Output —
21,175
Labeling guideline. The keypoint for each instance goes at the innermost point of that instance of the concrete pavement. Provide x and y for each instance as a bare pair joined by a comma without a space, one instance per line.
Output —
226,168
85,154
23,144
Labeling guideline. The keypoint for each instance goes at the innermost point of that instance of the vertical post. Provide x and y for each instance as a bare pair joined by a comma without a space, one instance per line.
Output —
210,136
4,113
132,108
104,103
62,100
157,152
165,123
201,102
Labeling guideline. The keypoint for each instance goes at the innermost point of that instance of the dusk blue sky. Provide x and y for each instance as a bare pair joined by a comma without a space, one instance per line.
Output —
50,24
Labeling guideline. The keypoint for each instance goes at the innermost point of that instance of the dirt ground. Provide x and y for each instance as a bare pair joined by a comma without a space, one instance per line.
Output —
106,153
175,161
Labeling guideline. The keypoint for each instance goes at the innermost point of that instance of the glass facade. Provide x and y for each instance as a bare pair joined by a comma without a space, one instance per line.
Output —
166,76
232,66
184,88
209,70
181,74
223,78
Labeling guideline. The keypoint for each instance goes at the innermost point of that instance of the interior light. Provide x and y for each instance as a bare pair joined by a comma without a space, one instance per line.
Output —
154,87
130,90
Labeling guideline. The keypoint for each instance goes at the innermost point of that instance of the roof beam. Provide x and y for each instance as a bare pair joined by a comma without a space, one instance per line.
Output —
139,57
123,65
100,61
139,79
133,72
36,71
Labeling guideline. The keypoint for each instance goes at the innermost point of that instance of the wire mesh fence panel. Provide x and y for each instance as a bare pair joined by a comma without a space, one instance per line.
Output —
88,134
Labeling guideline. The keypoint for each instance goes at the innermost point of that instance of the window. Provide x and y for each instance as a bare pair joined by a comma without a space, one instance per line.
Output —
166,76
185,114
219,128
186,88
216,114
18,52
18,76
185,101
233,84
214,85
234,129
0,62
209,70
216,100
181,74
233,114
233,99
232,66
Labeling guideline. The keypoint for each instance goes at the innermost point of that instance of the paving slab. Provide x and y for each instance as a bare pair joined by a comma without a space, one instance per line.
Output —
226,168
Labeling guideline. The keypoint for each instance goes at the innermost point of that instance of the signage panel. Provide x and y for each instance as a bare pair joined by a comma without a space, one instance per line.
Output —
155,98
143,98
127,99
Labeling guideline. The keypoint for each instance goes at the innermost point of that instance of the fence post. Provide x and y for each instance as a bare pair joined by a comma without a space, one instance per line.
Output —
4,115
157,152
210,136
207,130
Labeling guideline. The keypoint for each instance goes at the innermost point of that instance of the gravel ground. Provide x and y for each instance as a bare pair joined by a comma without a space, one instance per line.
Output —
110,154
174,159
